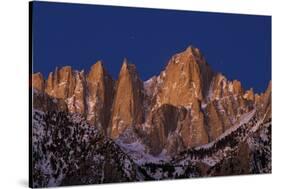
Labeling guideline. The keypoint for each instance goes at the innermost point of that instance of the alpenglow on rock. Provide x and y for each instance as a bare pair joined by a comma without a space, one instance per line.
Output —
100,87
187,76
185,106
128,101
38,82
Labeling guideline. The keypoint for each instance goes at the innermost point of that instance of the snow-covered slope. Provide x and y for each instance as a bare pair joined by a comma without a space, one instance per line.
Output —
67,151
244,149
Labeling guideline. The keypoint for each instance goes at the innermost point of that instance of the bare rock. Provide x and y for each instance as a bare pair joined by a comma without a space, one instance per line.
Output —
187,76
38,81
100,96
128,101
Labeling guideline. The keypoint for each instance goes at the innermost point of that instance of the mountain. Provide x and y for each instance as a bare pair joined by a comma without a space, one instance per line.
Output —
99,99
127,108
188,121
66,150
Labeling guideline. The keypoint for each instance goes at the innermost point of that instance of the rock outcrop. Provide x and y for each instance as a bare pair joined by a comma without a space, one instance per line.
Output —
214,124
127,107
38,81
186,122
187,76
100,87
76,100
61,83
187,105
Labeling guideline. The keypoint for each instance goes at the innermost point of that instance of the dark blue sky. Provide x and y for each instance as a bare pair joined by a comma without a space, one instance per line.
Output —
239,46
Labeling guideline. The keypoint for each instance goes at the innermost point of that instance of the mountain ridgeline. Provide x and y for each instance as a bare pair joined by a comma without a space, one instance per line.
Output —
174,114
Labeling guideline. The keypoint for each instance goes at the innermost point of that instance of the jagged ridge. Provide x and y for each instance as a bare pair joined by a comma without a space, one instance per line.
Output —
186,106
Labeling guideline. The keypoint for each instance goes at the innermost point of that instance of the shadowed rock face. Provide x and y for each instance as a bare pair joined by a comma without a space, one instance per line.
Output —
177,127
43,102
187,105
214,124
164,121
127,108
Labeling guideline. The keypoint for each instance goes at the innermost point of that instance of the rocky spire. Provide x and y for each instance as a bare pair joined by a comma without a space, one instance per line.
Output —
187,75
100,95
128,101
187,105
61,83
69,85
76,102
